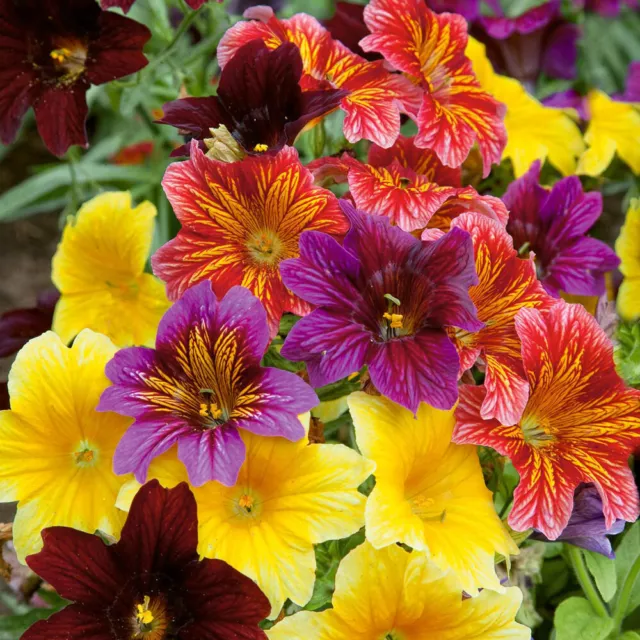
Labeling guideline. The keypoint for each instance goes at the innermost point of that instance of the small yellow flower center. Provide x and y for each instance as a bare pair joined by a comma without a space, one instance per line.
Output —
150,620
246,502
423,507
265,247
144,615
534,433
395,320
85,455
261,148
70,58
209,409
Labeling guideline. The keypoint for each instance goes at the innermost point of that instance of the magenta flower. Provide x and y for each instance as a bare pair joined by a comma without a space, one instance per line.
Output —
201,384
151,584
383,299
553,224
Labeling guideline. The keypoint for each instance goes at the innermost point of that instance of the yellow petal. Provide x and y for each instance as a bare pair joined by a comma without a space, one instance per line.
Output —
628,242
629,299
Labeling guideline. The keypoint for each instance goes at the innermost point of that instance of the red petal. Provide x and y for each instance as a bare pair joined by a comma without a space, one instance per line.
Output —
72,623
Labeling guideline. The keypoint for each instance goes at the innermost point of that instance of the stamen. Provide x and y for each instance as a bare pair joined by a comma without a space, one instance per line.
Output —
395,319
144,615
261,147
209,409
246,502
84,456
60,55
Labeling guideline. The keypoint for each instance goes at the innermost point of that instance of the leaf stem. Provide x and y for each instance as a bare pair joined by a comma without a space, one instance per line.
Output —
625,595
582,574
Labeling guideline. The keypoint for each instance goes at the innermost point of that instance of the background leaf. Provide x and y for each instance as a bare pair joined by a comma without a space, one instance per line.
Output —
603,571
576,620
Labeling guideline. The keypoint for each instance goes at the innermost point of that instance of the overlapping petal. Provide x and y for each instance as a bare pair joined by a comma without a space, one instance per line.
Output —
628,250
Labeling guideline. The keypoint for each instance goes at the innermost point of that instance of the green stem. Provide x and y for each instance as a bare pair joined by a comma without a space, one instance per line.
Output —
625,595
580,569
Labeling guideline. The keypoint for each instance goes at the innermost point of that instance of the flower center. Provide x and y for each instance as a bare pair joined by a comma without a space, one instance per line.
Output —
423,507
246,502
213,415
246,505
534,433
69,58
265,247
261,148
392,322
150,619
85,456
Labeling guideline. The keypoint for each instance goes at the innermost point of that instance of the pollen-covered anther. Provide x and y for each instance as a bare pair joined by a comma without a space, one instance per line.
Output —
60,55
261,147
86,456
246,502
143,614
394,319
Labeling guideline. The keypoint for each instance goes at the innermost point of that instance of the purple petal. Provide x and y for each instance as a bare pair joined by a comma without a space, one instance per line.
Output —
423,368
213,454
560,55
568,99
573,217
333,346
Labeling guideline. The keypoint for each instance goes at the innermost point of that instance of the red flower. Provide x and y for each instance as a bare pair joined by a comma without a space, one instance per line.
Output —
52,51
580,423
430,49
151,584
239,222
133,154
374,96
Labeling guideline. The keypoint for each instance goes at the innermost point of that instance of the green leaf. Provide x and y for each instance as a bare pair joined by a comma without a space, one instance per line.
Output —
576,620
12,627
626,553
515,8
603,571
629,635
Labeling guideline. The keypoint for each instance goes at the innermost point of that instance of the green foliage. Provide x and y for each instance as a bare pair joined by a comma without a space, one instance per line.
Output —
627,352
576,620
603,571
627,554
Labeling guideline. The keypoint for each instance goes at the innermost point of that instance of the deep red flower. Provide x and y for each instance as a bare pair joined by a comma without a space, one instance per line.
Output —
125,5
347,25
259,101
51,51
150,585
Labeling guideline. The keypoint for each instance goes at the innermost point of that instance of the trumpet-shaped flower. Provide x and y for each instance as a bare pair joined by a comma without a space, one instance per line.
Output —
553,224
202,384
374,97
125,5
52,51
259,102
579,425
150,585
239,222
383,299
430,493
289,496
507,284
628,250
534,131
394,595
454,112
99,271
56,450
614,127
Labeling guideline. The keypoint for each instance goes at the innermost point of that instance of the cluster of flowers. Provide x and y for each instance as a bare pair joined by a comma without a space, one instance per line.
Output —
404,287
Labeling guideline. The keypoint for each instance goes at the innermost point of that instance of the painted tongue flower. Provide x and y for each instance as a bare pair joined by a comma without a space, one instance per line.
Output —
239,221
553,225
628,248
383,299
389,594
347,25
125,5
429,48
259,103
151,584
580,423
53,50
201,384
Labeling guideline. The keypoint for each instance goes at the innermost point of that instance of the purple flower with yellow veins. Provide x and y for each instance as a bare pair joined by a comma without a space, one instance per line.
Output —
383,299
201,384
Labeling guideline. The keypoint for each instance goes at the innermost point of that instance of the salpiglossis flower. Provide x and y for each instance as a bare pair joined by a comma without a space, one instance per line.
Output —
553,224
56,450
383,299
125,5
429,493
374,96
288,497
392,594
628,250
579,425
52,51
429,48
259,102
534,131
239,222
507,283
150,585
202,384
99,271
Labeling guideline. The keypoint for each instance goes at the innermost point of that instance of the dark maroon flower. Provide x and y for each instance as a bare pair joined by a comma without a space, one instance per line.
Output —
51,51
383,299
470,9
18,326
238,7
347,25
587,528
5,403
125,5
150,585
259,101
553,224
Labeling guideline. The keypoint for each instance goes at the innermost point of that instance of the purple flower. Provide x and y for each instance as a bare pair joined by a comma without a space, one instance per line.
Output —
553,225
606,8
470,9
586,528
384,299
569,98
632,88
200,385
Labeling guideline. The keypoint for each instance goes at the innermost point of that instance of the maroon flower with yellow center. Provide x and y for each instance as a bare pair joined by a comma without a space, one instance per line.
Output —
239,222
51,51
151,585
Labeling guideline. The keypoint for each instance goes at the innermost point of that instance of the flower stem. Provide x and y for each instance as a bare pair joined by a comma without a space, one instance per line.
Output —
625,595
582,574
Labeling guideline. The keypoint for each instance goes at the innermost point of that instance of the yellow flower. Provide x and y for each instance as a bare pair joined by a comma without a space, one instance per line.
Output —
55,449
289,496
534,131
99,270
429,493
613,127
391,594
628,250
